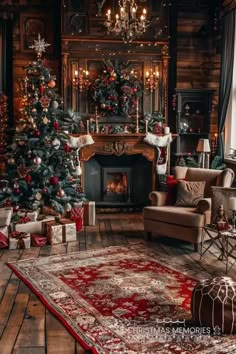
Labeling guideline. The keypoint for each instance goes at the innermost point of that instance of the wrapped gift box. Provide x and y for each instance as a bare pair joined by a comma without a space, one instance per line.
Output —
18,240
69,230
3,240
5,216
38,240
29,227
31,216
4,230
32,227
89,213
77,215
60,232
84,214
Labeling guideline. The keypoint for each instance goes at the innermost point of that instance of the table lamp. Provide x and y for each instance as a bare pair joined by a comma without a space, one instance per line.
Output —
232,206
203,147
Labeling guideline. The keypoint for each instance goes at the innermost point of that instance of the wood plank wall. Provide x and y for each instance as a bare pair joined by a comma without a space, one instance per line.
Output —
197,45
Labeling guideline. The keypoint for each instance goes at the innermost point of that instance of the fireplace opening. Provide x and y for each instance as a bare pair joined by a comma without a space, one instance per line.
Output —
118,181
116,184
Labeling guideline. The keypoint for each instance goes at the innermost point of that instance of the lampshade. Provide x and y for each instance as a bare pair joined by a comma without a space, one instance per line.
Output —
203,145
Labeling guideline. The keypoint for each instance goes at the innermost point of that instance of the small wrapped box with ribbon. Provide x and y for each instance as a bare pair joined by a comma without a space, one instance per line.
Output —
60,231
19,240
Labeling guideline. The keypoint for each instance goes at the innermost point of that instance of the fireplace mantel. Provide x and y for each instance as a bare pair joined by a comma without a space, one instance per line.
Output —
119,144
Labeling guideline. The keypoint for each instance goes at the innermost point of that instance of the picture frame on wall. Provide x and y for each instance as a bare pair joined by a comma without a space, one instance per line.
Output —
30,26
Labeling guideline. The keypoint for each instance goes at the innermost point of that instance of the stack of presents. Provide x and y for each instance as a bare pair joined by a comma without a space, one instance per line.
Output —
23,229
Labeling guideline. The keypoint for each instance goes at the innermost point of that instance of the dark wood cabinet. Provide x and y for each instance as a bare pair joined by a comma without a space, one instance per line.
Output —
193,109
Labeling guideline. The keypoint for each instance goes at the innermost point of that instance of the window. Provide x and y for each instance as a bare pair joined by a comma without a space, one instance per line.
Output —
230,123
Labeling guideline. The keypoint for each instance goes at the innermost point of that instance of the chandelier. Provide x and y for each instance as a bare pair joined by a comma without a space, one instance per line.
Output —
127,24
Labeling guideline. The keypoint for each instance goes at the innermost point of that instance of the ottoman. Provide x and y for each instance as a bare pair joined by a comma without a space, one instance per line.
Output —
213,304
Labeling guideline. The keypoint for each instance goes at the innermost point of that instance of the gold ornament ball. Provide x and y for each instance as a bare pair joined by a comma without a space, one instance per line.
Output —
11,161
60,193
51,83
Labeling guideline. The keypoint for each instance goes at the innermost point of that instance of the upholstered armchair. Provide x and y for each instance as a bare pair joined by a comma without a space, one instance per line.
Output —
184,222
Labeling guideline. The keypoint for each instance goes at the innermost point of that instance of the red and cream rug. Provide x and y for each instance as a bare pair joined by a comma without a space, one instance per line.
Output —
124,299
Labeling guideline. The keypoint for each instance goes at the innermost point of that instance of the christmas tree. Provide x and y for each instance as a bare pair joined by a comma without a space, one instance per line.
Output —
117,89
42,168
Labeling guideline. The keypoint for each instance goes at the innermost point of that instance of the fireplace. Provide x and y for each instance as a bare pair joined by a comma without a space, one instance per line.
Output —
118,180
118,170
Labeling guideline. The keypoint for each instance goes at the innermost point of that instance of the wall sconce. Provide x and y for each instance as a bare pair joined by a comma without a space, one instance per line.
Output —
152,80
80,79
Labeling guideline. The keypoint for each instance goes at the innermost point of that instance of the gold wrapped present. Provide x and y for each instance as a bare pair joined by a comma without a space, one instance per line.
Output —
60,231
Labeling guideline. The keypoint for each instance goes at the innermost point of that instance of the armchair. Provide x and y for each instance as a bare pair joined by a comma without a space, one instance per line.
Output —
184,223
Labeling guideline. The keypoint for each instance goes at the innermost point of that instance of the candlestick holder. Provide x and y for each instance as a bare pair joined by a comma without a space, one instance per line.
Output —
232,207
234,220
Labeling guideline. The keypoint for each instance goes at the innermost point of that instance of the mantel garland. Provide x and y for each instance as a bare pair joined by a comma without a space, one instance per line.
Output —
117,89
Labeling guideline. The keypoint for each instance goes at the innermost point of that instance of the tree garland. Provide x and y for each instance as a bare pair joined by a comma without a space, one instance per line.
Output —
117,89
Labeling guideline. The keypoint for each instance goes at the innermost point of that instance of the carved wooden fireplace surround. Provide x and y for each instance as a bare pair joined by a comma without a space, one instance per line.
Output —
119,144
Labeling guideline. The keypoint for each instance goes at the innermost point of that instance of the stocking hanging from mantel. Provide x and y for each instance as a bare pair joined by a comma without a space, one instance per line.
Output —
161,143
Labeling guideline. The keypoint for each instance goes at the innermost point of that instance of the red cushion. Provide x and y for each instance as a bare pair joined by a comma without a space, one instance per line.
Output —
172,183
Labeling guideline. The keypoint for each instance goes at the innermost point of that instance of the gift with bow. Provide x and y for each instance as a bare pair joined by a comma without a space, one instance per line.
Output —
19,240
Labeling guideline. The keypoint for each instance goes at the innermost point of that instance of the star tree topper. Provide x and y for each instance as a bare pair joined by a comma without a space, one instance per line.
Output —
39,45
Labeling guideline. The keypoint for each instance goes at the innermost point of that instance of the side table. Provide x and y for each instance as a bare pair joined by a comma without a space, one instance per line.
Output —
224,241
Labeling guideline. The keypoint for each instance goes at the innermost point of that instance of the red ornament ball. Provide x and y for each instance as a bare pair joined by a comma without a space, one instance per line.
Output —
41,89
16,191
54,180
56,125
44,190
37,133
66,148
28,179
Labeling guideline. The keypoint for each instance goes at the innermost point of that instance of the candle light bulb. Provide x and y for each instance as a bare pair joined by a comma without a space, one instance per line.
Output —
109,14
76,73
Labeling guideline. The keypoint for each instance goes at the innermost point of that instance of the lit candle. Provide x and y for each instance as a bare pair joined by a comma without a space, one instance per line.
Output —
147,74
133,12
76,73
166,130
232,203
109,14
144,12
117,17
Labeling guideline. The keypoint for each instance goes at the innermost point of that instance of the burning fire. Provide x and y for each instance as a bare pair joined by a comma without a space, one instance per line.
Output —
118,184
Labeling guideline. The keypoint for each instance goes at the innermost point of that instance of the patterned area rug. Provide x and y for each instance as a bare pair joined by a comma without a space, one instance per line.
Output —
123,299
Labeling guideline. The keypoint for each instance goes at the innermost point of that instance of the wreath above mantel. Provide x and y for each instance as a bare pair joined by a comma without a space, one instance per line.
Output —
117,89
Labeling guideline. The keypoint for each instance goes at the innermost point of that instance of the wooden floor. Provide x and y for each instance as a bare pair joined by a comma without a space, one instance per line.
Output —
27,327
